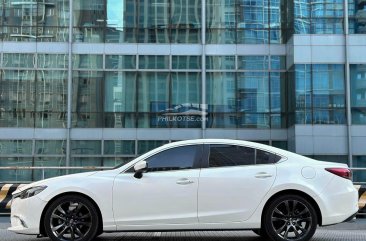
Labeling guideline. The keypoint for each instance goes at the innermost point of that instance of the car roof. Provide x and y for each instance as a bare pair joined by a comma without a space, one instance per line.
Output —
226,141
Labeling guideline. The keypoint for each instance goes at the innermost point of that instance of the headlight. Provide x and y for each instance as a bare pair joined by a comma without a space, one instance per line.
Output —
30,192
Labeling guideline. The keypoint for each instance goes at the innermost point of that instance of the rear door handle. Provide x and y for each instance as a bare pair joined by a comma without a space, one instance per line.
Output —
263,175
184,181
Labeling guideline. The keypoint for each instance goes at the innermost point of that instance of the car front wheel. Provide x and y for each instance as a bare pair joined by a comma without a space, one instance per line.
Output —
71,218
290,218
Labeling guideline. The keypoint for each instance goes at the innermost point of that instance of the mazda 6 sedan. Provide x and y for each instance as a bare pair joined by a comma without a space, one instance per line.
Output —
192,185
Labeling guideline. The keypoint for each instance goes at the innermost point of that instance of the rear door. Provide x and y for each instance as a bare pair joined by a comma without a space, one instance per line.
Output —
233,182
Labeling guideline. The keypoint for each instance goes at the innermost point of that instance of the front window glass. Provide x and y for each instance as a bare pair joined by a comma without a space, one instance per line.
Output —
178,158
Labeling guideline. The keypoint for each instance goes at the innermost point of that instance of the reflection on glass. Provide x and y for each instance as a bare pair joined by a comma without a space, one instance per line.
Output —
119,147
153,62
85,147
115,161
320,94
253,62
220,62
18,98
19,60
253,92
357,16
221,92
15,147
318,16
87,101
87,61
45,161
153,91
120,62
57,61
358,93
186,62
51,102
145,146
50,147
120,92
36,21
11,176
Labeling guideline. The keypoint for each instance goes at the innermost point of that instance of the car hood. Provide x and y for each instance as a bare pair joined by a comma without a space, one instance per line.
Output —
45,182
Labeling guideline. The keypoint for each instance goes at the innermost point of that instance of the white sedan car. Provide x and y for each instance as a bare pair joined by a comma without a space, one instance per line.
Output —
192,185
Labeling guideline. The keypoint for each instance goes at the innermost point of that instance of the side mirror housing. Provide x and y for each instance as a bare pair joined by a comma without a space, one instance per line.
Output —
140,168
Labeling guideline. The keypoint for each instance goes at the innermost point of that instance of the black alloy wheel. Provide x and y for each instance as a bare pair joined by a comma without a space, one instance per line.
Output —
71,218
290,218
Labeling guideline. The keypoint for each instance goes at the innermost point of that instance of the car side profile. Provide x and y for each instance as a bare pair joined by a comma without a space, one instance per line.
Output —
204,184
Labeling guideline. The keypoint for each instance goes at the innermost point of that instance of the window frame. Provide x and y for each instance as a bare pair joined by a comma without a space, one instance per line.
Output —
197,163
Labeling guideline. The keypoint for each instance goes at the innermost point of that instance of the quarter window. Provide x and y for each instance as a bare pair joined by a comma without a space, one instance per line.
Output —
263,157
179,158
230,155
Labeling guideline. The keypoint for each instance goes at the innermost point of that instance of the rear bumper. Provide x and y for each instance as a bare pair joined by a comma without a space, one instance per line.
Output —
340,202
350,218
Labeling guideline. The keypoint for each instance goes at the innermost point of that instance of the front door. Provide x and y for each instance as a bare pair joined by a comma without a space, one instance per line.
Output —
166,193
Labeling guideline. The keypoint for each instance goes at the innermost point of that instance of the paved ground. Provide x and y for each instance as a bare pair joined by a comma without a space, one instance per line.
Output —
353,231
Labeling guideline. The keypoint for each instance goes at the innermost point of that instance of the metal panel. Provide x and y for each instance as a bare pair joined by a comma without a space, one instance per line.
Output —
228,49
277,49
19,47
50,134
119,134
227,134
327,39
152,134
153,49
327,54
358,145
253,49
186,49
16,133
86,134
356,54
254,135
330,145
52,48
304,145
87,48
302,54
130,49
301,39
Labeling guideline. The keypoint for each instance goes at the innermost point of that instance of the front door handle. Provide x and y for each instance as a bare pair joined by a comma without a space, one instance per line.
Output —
263,175
184,181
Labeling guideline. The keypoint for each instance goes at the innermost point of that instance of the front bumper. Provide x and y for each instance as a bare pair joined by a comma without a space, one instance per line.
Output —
26,215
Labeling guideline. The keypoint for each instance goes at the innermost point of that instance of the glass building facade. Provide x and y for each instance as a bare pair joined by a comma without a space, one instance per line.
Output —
99,82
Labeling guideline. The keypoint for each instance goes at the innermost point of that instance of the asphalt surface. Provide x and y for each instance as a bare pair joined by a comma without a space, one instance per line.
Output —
352,231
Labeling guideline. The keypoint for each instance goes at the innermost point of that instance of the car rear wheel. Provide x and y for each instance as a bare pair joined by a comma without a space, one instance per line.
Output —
71,218
290,218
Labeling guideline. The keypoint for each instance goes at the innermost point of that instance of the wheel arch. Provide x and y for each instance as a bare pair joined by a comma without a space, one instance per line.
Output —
41,225
294,192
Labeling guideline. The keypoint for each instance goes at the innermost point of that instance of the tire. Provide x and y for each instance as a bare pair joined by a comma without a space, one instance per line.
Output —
290,218
71,218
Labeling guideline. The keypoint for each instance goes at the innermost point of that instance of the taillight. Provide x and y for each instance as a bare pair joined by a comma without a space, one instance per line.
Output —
341,172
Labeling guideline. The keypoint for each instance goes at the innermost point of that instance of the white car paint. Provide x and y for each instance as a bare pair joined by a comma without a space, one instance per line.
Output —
194,199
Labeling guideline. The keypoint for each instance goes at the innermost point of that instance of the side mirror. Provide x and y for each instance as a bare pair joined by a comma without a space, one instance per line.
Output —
140,168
